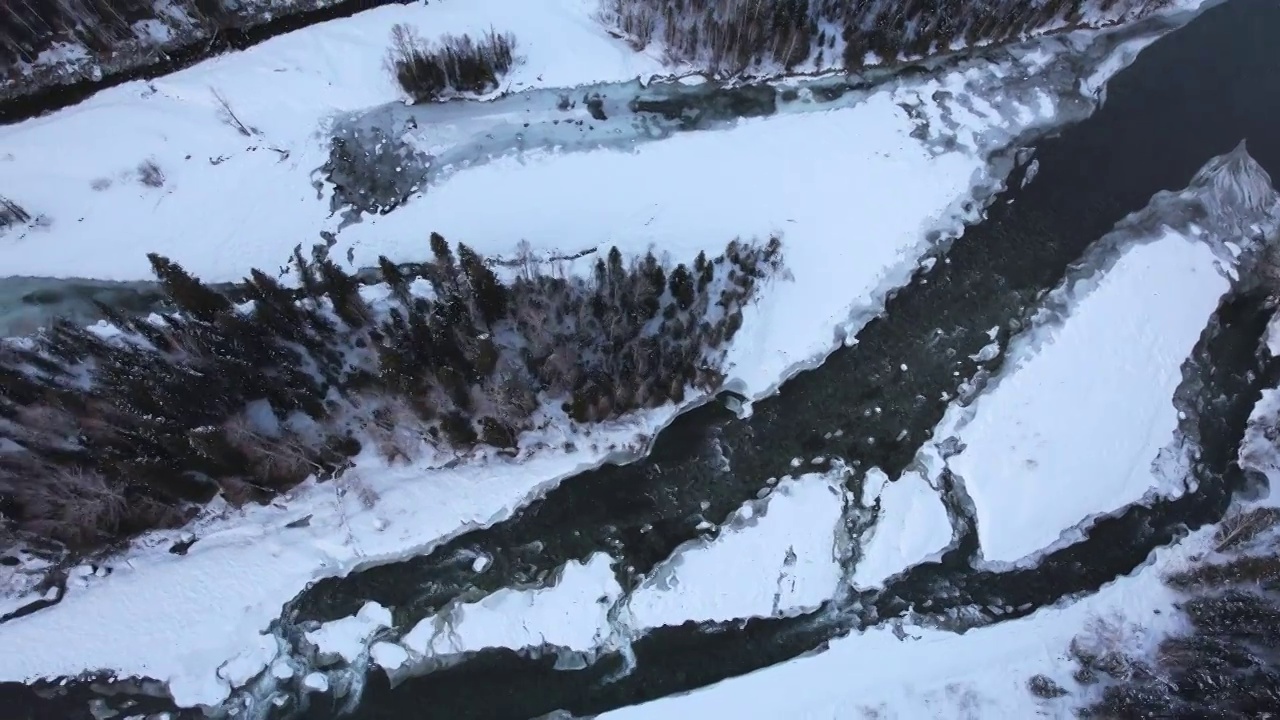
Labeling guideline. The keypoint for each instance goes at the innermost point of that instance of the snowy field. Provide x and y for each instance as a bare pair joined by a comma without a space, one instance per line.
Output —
1082,420
257,202
692,192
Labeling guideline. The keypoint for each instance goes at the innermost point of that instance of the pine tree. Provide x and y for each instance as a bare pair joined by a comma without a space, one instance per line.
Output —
344,291
187,293
394,279
440,249
681,285
491,296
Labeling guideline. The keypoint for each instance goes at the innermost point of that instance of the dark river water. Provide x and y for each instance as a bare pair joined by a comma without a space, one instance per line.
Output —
1193,95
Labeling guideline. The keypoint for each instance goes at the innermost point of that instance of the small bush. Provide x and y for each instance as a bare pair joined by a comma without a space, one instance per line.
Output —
104,434
11,213
150,174
1045,688
455,63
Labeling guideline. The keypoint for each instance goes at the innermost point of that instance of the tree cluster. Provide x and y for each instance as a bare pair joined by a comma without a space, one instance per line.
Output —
134,423
1227,665
734,36
125,33
425,71
104,28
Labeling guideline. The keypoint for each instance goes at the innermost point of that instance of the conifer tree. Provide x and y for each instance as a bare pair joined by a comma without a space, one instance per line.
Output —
187,293
682,288
490,295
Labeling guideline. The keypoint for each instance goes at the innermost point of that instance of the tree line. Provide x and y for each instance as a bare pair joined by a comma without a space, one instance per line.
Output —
135,423
734,36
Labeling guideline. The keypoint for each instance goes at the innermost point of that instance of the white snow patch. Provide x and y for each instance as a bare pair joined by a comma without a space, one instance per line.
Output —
1273,336
912,526
281,670
316,682
1259,451
388,655
572,614
775,557
348,637
935,674
249,662
1073,430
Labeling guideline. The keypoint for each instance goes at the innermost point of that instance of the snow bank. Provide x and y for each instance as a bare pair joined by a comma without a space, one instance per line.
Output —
571,614
1078,423
931,673
774,557
1073,430
348,637
911,526
1260,449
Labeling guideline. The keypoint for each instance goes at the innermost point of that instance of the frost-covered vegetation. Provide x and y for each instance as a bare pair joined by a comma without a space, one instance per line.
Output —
133,423
425,70
1227,663
734,36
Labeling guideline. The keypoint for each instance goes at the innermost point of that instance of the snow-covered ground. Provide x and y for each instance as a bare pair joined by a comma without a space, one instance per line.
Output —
931,673
257,201
912,526
775,557
571,614
222,595
1073,430
691,192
